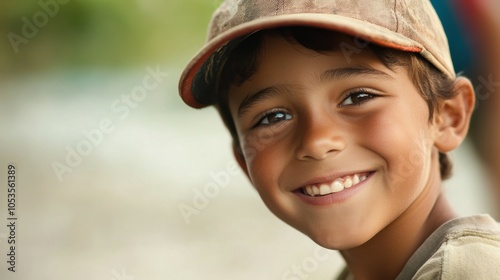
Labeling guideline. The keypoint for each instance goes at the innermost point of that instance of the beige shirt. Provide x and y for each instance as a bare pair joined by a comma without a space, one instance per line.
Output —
463,248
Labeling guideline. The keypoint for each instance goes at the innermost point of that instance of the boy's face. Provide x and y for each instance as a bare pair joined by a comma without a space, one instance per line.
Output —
339,123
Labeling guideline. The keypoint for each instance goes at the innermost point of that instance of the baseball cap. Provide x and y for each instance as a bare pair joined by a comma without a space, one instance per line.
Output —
406,25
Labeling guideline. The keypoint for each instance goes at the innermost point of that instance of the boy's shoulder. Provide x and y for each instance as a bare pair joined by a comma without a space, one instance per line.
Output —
463,248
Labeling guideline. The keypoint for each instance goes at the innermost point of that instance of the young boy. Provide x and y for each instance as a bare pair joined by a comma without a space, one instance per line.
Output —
342,113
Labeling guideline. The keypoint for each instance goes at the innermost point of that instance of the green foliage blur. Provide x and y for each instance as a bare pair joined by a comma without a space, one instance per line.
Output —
99,33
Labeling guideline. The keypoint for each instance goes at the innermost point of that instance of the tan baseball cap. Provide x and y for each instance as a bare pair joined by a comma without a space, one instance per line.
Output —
407,25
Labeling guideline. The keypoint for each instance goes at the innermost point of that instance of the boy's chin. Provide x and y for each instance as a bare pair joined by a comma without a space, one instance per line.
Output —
339,241
338,245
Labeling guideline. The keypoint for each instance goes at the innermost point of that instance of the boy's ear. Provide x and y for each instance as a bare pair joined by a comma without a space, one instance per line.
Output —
238,155
453,117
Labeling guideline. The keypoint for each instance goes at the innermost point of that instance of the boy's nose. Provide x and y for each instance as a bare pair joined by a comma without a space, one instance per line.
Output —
318,140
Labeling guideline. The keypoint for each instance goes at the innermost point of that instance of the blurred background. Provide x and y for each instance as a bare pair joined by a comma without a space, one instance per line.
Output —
116,178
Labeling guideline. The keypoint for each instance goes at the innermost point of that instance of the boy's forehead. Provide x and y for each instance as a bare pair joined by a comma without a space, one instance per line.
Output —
338,50
281,61
347,50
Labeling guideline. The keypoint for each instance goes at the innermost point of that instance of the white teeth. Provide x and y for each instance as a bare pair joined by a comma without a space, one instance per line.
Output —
336,186
324,189
315,190
348,182
308,190
355,179
312,190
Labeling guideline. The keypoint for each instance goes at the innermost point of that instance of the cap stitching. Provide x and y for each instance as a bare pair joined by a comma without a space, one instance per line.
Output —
396,16
278,4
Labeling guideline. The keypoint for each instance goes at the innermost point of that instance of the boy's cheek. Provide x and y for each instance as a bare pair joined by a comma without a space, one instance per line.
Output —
409,162
257,141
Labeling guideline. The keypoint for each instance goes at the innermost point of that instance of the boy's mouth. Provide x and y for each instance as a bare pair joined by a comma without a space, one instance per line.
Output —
336,185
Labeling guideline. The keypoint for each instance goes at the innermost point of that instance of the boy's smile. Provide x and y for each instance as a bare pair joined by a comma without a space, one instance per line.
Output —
325,191
338,145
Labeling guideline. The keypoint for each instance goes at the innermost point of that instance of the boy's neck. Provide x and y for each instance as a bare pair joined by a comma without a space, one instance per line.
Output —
384,256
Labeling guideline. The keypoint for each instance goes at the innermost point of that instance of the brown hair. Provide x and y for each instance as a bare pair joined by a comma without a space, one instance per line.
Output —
243,62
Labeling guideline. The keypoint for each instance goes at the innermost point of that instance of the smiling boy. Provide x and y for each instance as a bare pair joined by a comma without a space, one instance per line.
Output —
342,113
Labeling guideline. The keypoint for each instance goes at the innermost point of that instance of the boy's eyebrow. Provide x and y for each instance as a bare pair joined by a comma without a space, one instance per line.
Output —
331,74
350,72
253,98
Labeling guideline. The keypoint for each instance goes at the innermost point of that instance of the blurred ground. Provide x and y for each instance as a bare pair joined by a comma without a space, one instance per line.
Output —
116,215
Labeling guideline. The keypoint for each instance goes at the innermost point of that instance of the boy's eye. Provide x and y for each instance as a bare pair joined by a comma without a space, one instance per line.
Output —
273,118
357,98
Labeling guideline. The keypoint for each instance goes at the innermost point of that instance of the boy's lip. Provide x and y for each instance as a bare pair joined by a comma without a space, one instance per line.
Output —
335,194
